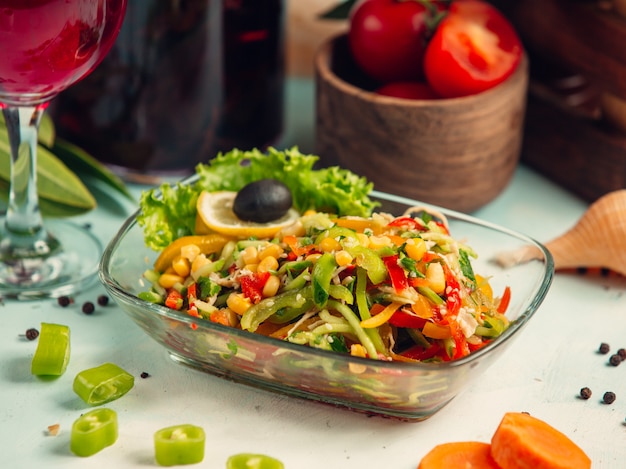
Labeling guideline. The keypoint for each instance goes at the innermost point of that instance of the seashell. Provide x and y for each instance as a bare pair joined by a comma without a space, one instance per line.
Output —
598,239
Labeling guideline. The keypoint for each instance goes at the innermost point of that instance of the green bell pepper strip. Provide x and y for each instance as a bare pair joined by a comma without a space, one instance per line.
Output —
355,323
267,307
253,461
53,350
102,384
336,232
340,292
179,444
93,431
363,308
321,277
370,261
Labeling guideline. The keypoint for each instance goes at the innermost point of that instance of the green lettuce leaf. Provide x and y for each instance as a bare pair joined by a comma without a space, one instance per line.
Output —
169,212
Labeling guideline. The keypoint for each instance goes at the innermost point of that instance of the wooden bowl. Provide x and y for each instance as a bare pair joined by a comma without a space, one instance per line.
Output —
457,153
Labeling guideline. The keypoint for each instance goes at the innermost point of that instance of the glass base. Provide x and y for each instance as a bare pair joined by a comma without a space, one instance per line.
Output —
70,270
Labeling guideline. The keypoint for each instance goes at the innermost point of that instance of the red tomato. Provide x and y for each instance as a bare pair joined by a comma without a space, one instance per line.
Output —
387,38
408,90
473,49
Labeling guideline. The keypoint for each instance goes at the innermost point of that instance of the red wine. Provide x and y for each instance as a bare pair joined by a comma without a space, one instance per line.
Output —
47,45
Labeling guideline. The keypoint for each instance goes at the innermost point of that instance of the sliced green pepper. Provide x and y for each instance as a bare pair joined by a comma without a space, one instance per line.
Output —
102,384
53,350
321,277
267,307
370,261
93,431
179,444
253,461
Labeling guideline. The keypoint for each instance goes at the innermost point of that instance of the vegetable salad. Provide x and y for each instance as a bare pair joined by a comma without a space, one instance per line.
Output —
379,286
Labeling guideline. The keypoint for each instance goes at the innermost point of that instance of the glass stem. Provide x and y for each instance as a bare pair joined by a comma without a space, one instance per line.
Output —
24,236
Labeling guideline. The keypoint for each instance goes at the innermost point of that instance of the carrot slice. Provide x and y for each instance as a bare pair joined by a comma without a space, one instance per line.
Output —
522,441
461,454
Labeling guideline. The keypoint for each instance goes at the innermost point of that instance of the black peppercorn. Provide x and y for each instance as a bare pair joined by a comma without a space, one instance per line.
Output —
103,300
88,307
144,374
585,393
64,301
615,359
32,333
609,397
622,353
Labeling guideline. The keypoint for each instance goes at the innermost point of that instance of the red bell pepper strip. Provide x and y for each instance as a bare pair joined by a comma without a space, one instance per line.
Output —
399,279
403,319
505,300
174,299
252,286
461,347
407,223
453,291
417,352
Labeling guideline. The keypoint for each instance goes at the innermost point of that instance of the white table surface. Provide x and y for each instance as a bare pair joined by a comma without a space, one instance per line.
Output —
541,373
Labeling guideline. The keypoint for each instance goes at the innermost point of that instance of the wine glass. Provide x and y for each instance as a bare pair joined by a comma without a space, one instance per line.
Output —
47,45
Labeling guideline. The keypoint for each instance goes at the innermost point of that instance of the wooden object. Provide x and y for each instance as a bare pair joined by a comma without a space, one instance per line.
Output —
457,153
577,141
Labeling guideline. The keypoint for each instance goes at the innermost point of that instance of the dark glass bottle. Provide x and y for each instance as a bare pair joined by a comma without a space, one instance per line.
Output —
185,79
254,71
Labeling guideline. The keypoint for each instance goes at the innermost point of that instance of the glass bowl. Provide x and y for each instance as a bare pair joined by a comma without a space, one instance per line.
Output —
406,391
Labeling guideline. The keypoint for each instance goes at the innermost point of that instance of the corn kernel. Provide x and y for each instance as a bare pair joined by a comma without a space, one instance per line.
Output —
329,245
267,264
415,248
435,277
251,267
271,250
379,242
190,251
169,280
198,262
313,257
249,255
343,258
364,240
181,266
238,303
271,286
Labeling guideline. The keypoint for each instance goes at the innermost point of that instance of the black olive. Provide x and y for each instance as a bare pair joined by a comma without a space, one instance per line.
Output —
262,201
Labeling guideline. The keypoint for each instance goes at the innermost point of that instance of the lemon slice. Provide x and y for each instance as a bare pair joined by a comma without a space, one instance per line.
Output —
215,209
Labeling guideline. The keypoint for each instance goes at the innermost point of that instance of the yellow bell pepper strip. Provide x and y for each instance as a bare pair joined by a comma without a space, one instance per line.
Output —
179,444
208,244
382,317
321,277
102,384
253,461
53,350
93,431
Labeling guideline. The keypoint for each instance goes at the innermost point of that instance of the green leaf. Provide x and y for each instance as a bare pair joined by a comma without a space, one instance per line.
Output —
48,208
82,162
56,183
339,12
46,134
